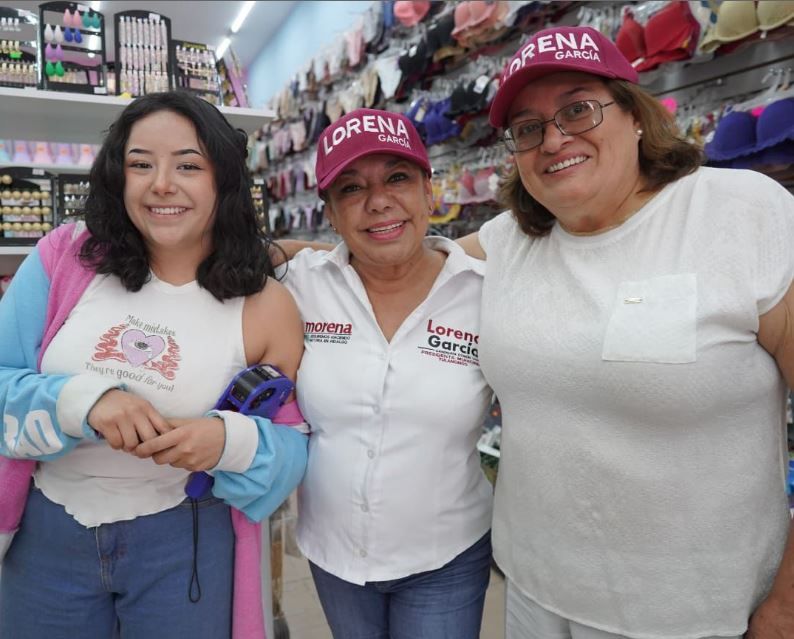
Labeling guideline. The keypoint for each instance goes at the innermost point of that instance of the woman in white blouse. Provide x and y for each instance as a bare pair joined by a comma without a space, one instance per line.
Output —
394,509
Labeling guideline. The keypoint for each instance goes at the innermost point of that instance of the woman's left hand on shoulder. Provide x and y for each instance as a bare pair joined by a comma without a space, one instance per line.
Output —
194,444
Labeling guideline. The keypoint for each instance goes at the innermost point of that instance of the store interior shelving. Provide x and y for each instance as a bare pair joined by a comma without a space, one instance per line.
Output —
31,114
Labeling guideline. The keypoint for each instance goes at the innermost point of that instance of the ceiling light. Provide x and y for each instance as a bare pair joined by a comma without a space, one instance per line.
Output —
244,11
222,48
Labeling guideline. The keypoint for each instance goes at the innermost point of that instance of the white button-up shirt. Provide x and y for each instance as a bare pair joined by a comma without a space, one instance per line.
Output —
394,485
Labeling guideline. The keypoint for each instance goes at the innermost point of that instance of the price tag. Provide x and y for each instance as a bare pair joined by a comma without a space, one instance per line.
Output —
101,90
38,171
481,83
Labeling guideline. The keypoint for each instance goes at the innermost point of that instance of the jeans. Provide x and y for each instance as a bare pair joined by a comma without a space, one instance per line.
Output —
446,603
128,579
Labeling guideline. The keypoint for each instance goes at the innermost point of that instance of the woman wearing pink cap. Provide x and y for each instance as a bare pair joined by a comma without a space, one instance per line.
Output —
395,511
638,329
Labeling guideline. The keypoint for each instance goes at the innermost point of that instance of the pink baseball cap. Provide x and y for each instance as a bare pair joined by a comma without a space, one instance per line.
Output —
364,132
411,13
582,49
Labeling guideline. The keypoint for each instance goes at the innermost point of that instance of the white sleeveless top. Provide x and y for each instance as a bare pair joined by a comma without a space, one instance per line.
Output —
176,346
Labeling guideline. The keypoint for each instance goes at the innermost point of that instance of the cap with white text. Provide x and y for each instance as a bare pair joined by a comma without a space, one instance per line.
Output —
582,49
364,132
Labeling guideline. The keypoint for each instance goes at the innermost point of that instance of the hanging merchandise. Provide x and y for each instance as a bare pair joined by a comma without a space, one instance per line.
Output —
18,48
143,45
196,71
26,205
72,46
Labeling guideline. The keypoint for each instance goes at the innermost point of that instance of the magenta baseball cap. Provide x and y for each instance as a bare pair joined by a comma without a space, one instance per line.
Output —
364,132
557,49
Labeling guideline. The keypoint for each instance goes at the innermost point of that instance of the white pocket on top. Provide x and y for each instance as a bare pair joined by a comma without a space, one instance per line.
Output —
653,320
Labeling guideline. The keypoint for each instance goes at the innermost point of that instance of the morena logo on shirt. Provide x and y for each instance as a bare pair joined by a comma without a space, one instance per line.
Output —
557,46
389,129
452,345
327,332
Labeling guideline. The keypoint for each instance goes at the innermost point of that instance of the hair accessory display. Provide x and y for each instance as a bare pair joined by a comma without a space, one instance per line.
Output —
75,63
197,71
41,153
72,192
25,211
19,48
143,45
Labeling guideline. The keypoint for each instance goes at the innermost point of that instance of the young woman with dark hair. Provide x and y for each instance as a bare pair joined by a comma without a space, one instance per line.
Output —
118,339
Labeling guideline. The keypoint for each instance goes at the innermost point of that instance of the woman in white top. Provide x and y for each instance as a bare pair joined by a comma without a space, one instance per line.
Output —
394,510
637,328
117,342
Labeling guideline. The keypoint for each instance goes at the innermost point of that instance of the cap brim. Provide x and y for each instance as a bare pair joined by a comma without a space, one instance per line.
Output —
323,184
521,78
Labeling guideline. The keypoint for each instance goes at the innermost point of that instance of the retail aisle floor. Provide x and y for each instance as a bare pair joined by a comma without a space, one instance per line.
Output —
305,616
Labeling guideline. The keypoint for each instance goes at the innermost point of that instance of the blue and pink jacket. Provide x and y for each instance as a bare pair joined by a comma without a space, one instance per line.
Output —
45,289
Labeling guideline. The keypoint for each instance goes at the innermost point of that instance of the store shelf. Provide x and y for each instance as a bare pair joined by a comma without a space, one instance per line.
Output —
52,168
30,114
15,250
11,257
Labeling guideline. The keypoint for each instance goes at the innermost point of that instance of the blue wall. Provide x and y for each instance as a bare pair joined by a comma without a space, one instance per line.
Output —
310,27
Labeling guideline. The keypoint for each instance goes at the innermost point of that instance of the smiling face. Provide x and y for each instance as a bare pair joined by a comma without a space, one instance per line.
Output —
169,185
380,205
586,181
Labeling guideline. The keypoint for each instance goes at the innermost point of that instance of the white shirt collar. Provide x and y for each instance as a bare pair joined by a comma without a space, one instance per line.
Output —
457,260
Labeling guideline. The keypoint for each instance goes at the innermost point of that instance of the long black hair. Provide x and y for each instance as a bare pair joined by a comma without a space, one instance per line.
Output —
239,262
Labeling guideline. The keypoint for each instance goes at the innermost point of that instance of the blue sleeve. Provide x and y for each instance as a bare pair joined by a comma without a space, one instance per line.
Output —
276,470
33,427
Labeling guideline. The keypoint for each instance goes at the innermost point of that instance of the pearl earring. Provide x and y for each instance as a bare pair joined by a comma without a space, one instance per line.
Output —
639,133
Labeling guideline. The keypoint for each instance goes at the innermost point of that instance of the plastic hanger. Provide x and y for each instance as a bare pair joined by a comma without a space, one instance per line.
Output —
772,94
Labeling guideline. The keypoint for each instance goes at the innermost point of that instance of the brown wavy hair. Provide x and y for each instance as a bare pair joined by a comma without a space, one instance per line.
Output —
664,157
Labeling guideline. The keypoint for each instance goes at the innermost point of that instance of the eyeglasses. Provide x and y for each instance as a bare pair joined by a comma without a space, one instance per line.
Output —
572,119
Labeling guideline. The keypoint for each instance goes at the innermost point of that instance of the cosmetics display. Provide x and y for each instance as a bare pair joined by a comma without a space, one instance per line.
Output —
26,205
195,70
72,48
18,48
143,45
